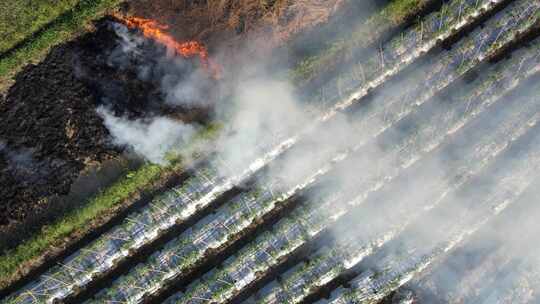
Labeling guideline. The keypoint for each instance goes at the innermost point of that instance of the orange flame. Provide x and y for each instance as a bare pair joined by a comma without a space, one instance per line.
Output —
154,30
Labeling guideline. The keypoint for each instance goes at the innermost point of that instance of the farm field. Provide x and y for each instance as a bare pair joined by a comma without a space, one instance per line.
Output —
388,162
23,248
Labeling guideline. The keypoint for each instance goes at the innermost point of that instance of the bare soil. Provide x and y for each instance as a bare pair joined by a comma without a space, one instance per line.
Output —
48,114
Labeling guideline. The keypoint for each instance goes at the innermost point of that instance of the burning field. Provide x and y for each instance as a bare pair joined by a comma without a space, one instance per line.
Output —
327,151
125,75
98,106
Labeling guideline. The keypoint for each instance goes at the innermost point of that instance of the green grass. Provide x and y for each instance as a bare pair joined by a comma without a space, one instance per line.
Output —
398,10
77,221
64,27
20,19
392,15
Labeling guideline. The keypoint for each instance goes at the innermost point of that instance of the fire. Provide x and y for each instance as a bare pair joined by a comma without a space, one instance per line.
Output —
156,31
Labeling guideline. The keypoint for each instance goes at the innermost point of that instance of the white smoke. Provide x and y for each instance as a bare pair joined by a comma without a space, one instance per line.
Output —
128,45
188,92
151,138
263,110
21,158
181,84
23,165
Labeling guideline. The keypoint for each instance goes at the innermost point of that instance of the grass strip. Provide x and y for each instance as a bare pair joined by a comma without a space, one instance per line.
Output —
391,16
62,29
77,222
19,20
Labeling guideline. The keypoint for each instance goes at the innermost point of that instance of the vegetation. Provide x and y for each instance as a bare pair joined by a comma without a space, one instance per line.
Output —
35,28
399,10
21,19
66,25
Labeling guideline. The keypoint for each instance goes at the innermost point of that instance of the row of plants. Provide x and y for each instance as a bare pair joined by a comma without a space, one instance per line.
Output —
452,127
60,30
326,265
136,230
384,61
495,260
101,206
101,254
255,259
215,231
395,269
131,226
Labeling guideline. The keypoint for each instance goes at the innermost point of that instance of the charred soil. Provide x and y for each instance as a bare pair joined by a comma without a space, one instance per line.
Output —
50,132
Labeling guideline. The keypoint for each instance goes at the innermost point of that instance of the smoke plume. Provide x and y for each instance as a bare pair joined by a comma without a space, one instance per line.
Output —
151,138
409,173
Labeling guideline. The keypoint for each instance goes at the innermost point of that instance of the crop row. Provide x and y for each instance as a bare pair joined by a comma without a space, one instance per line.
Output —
396,267
322,216
194,255
471,282
519,284
125,287
171,208
405,48
137,230
490,88
215,232
472,160
102,254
